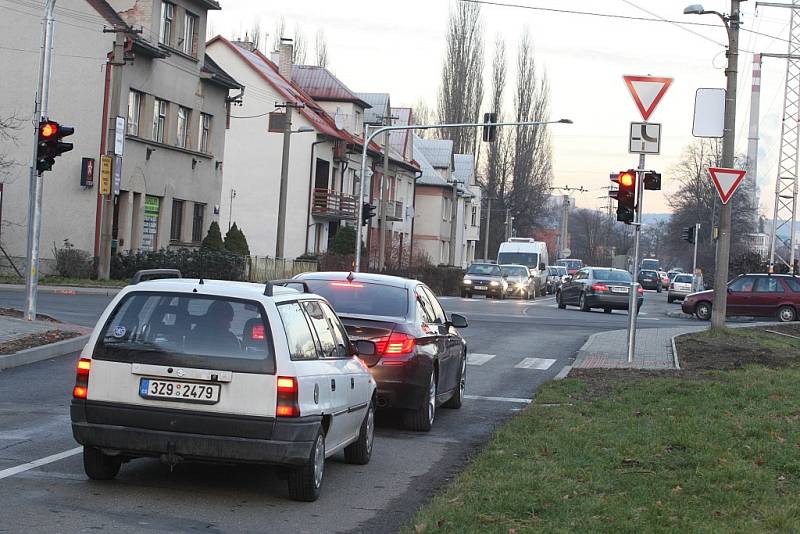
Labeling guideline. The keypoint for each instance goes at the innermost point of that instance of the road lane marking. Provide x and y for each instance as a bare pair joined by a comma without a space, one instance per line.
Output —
479,359
541,364
11,471
498,399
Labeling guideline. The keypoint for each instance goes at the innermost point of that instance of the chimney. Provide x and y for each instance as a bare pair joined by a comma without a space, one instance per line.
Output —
285,51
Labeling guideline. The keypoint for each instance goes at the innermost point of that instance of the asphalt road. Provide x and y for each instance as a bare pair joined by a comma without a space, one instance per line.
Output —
514,347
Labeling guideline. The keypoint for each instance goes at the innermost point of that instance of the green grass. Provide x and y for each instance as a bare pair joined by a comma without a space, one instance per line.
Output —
61,281
714,452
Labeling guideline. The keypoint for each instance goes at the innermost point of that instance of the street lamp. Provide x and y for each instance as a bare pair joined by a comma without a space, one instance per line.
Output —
731,23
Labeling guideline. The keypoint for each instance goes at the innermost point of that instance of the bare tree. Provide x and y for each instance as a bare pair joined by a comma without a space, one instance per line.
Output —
8,135
422,114
321,49
461,90
495,150
278,33
300,46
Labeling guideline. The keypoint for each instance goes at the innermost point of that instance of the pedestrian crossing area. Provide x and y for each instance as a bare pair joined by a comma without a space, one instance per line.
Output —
538,364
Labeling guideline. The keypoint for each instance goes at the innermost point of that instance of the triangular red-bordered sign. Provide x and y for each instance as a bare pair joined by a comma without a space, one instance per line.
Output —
727,181
647,92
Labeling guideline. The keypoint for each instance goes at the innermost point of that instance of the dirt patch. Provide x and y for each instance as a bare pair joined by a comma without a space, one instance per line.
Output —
601,382
11,312
36,340
739,347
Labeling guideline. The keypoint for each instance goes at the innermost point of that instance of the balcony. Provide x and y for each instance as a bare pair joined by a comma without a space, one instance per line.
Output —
394,210
334,206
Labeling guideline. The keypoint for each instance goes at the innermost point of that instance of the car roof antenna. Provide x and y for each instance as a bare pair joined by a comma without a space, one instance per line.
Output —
350,276
268,289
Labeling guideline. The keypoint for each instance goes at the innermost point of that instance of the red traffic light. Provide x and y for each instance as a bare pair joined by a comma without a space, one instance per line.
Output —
48,129
627,179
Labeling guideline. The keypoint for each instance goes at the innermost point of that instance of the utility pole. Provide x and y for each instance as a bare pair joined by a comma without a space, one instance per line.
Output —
565,205
732,22
633,294
35,188
694,259
383,203
488,227
287,139
508,224
107,217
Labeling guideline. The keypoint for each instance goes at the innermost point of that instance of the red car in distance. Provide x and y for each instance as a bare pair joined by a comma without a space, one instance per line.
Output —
752,295
572,265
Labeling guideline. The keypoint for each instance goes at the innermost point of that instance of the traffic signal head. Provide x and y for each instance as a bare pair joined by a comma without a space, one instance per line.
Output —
625,195
652,181
49,144
688,234
367,213
489,132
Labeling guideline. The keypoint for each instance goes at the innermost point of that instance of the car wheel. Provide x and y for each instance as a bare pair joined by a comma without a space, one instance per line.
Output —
658,289
305,482
457,399
670,300
582,304
703,311
99,466
786,314
501,295
421,419
560,301
360,451
606,310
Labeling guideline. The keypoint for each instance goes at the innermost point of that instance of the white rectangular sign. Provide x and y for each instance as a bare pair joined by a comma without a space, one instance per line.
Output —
645,138
119,136
709,113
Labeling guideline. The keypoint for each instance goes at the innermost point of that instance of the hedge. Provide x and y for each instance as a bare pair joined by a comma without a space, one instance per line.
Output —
193,263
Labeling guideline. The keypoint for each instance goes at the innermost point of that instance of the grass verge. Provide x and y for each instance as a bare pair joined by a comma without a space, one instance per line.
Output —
691,451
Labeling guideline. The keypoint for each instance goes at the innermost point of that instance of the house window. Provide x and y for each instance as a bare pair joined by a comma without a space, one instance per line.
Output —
190,34
183,126
474,215
197,222
177,220
205,132
159,119
134,111
167,18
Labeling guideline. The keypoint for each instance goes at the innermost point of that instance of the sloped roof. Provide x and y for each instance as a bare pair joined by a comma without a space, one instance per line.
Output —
400,140
430,176
107,12
321,84
218,75
464,168
439,152
379,103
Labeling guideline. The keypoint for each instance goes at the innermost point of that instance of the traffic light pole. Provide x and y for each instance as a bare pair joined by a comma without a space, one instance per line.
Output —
694,258
634,291
35,190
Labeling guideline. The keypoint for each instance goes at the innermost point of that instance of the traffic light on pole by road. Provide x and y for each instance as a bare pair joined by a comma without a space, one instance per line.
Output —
625,195
50,145
688,234
367,213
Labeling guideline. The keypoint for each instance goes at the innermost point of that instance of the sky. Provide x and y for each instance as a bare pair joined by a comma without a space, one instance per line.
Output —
398,47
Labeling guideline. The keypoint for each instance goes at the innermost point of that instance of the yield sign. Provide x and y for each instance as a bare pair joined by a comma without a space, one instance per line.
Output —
647,92
726,181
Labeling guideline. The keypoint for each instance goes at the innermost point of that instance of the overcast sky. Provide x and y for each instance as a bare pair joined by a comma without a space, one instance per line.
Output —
398,47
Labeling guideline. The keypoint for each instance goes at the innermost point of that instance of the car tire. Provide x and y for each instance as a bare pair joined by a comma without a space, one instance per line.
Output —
670,300
658,289
360,451
468,295
100,466
501,295
703,311
582,304
455,402
560,301
421,419
305,483
786,314
606,310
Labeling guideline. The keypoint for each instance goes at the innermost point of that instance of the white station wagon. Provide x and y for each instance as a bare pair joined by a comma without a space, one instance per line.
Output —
223,372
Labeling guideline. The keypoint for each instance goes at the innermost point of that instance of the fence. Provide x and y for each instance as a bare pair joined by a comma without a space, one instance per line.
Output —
261,269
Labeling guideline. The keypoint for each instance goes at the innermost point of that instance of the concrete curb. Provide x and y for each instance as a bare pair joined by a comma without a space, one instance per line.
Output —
675,352
66,290
45,352
563,373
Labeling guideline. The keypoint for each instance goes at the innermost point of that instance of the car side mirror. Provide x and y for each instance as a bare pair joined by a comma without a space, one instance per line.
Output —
458,321
365,348
542,266
729,289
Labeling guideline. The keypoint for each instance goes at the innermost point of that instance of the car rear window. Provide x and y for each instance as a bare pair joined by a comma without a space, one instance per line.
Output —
683,279
609,275
188,330
362,298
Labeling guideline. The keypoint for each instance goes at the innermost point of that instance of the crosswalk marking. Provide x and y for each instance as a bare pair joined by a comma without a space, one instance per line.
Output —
542,364
478,359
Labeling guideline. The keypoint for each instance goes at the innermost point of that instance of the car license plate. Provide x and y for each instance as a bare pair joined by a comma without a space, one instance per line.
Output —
619,290
480,287
150,388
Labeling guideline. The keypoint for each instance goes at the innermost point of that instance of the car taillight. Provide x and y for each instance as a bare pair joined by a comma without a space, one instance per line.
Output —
287,404
600,288
396,344
81,389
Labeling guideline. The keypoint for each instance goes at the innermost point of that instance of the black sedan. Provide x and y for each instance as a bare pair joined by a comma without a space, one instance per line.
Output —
484,279
650,280
599,287
421,359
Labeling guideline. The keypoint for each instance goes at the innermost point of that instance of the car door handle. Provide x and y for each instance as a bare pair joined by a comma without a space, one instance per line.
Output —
352,383
333,384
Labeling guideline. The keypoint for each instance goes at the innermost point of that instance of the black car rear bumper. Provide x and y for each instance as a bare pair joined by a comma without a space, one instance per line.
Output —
176,435
649,284
404,386
613,302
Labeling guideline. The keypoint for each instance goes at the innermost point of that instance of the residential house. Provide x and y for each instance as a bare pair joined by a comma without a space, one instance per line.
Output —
174,101
468,208
434,200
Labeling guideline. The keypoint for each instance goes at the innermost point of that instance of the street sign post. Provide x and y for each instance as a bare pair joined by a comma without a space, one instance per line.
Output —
645,138
726,181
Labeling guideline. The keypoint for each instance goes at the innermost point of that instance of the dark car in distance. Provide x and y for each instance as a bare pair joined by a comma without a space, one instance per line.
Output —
752,295
598,287
484,279
421,359
650,279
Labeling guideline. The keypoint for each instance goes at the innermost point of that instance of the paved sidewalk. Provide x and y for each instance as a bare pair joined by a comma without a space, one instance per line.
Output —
11,328
607,350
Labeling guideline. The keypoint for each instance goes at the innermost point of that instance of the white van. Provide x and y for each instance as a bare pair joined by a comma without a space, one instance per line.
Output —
530,253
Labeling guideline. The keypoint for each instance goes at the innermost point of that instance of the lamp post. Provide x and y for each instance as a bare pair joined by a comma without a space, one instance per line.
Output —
368,136
731,23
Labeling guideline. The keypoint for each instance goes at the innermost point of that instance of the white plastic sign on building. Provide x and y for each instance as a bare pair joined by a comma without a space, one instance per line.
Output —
727,181
647,92
709,112
645,138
